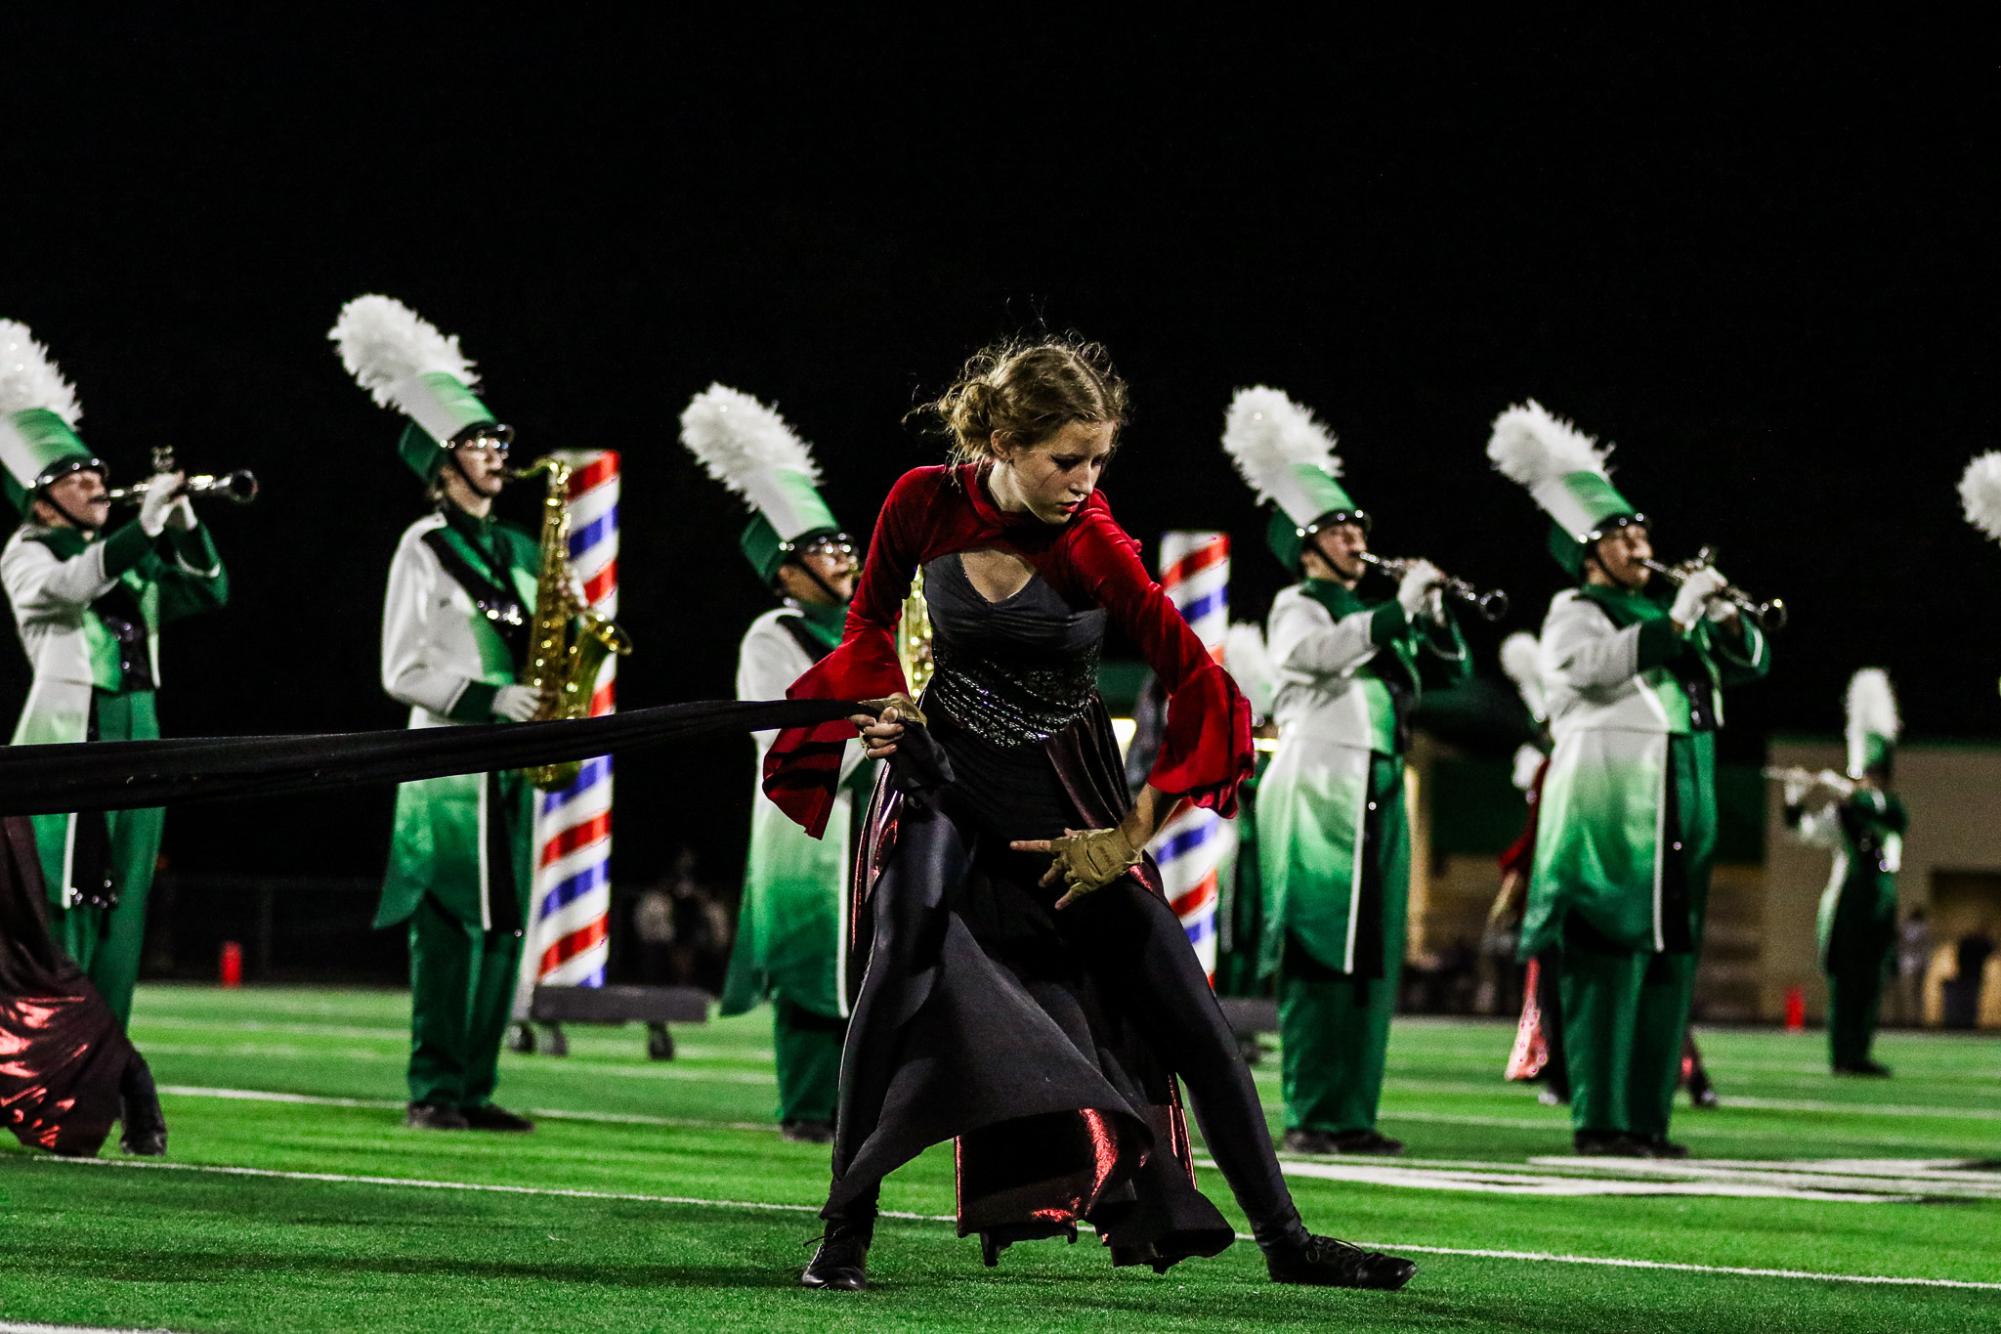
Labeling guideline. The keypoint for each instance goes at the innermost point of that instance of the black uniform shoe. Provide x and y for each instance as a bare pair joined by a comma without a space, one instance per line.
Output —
1866,1069
807,1132
1307,1141
1327,1263
1367,1142
841,1262
489,1117
1701,1092
1607,1144
434,1116
1660,1146
144,1141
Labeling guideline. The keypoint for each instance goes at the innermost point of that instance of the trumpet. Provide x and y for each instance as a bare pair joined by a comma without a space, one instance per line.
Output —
1492,604
1769,614
239,486
1826,779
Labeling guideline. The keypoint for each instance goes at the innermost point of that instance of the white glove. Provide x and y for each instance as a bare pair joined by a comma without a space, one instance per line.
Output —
159,498
181,515
1796,790
1527,760
516,704
1434,604
1721,609
1415,587
1691,600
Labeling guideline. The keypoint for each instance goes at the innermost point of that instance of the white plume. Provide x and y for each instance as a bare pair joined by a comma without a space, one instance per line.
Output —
739,439
1872,704
1531,445
1521,660
1980,493
29,379
1266,435
1248,662
383,342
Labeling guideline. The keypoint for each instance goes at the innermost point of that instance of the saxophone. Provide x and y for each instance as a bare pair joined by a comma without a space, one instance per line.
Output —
568,640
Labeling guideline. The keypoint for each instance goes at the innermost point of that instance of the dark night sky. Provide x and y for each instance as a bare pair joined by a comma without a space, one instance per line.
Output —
1763,267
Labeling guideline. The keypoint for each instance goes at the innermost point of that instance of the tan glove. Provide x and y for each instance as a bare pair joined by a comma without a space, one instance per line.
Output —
1090,859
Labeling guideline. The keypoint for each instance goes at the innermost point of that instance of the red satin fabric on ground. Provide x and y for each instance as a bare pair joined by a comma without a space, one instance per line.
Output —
62,1054
935,511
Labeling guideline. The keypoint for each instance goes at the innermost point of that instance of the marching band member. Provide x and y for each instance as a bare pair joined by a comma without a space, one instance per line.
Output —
89,599
1863,823
461,597
1627,825
1332,834
791,943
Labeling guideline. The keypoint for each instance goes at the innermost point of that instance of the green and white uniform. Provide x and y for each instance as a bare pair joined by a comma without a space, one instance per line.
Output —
1333,839
792,930
459,858
1857,927
1626,838
89,611
455,629
89,607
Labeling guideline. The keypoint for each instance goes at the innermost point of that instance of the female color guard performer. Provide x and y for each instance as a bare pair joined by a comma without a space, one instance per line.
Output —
1028,990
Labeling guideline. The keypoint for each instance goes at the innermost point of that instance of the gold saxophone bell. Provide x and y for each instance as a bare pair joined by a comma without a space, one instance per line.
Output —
568,640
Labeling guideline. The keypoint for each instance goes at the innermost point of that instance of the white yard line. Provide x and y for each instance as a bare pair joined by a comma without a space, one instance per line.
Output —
762,1206
666,1070
16,1327
391,1104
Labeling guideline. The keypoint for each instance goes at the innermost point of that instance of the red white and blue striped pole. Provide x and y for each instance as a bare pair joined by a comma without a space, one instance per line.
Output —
569,936
1193,847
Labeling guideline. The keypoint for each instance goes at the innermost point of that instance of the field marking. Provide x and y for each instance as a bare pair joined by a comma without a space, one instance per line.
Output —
395,1105
762,1206
693,1051
18,1327
1963,1181
288,1051
1507,1179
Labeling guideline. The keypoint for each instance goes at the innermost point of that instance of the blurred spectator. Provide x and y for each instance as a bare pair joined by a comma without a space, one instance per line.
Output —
1914,948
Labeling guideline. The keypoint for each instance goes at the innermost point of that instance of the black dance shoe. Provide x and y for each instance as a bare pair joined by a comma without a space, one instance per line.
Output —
1367,1142
489,1117
841,1262
807,1132
434,1116
1607,1144
143,1126
145,1141
1326,1263
1701,1092
1660,1146
1306,1141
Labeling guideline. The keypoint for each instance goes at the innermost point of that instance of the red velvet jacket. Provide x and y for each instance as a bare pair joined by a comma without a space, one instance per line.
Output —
936,511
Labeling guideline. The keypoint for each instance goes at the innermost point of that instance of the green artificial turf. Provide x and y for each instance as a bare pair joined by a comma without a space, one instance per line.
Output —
665,1200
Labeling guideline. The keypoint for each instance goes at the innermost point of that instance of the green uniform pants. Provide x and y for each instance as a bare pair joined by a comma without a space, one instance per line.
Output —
1334,1028
808,1046
107,943
461,996
1624,1014
1854,1000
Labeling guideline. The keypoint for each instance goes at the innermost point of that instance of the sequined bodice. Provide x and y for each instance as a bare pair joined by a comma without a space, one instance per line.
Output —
1013,672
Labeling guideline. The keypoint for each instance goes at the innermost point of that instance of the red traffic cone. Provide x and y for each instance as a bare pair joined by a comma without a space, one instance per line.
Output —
1795,1009
232,964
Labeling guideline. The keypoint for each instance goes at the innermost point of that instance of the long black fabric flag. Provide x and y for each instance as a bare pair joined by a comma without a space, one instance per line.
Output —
123,775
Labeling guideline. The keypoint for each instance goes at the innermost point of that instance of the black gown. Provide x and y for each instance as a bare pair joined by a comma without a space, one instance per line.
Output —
66,1068
1046,1043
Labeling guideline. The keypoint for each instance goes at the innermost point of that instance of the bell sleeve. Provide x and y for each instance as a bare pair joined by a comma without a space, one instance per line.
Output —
1205,752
